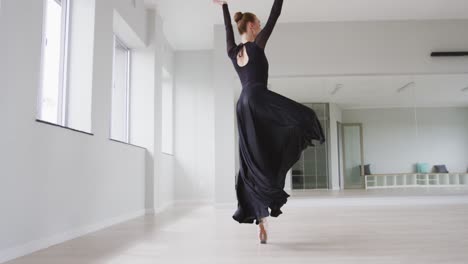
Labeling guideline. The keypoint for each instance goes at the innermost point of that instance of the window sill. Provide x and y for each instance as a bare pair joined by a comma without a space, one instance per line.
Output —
125,143
68,128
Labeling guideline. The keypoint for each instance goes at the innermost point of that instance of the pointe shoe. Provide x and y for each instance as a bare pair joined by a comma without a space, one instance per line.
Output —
263,231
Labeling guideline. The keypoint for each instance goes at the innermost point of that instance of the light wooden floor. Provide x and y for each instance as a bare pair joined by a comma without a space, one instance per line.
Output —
380,226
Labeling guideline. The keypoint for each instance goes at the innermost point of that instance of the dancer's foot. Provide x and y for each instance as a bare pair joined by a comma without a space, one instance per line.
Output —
263,230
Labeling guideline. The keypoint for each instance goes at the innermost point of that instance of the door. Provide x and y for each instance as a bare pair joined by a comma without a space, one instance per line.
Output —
353,157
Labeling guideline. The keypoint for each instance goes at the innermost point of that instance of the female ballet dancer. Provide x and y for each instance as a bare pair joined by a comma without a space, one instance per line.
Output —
273,129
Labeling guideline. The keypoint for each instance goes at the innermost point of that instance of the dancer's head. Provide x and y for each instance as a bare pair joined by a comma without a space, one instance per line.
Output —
247,23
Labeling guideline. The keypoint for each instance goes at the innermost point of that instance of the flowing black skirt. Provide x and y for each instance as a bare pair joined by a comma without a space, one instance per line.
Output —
273,132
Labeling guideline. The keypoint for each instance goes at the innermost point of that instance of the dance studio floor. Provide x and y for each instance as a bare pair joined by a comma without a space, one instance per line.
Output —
379,226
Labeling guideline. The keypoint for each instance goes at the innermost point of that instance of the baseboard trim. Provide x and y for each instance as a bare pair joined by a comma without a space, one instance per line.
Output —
164,207
36,245
225,205
193,202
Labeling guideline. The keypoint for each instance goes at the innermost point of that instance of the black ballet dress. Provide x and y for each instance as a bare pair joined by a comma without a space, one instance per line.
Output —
273,129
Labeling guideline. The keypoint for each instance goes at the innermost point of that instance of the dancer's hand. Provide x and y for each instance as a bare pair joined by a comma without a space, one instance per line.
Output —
220,2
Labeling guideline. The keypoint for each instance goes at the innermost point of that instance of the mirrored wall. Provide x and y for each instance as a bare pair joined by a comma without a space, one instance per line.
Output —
311,171
384,131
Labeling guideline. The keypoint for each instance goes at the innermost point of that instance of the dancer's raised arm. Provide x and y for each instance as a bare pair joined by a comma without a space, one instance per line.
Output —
230,43
264,35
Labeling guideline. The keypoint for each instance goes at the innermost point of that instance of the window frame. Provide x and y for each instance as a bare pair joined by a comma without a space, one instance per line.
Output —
118,42
167,76
62,100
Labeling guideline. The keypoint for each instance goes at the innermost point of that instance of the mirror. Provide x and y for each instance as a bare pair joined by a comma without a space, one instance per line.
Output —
384,131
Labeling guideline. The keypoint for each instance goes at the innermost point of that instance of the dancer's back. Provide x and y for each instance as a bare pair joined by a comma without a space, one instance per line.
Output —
255,72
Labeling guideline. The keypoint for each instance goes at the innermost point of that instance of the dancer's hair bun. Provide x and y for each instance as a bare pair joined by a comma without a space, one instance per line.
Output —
238,17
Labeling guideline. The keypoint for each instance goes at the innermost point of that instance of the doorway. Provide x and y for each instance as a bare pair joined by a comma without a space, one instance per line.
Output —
351,155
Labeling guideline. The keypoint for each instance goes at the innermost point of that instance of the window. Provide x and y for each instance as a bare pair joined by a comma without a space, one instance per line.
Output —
167,113
120,92
52,100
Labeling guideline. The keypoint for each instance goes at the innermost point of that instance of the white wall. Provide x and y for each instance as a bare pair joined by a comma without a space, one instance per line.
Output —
328,49
57,183
135,16
226,148
164,174
146,112
142,109
146,104
339,48
194,126
394,141
3,66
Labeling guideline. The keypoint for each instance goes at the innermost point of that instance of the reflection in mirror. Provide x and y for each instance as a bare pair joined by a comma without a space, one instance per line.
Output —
385,131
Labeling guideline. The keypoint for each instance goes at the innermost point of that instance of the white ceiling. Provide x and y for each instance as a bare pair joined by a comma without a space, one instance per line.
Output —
377,91
188,24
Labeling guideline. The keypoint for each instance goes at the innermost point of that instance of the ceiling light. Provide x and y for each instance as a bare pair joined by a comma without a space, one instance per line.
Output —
404,87
337,88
